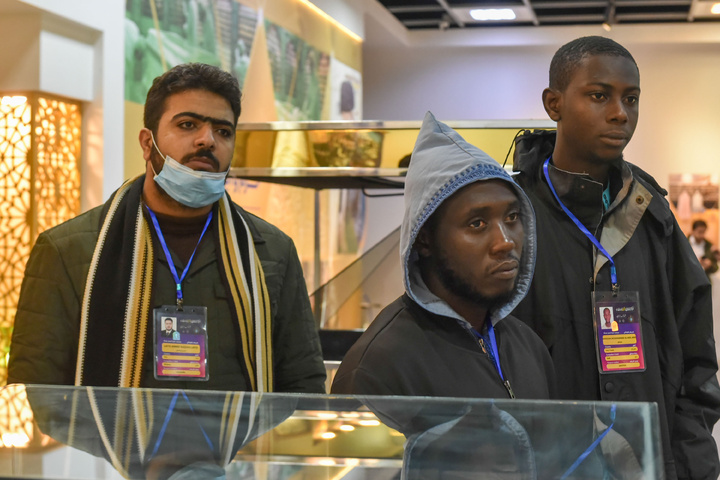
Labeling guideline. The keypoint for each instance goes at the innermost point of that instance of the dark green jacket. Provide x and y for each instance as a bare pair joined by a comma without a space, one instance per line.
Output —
45,337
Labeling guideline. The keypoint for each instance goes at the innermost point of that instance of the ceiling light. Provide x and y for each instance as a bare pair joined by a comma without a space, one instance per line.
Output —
492,14
347,428
515,14
709,9
327,435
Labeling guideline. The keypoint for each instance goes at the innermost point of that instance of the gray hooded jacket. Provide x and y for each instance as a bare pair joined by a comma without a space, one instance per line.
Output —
418,345
443,163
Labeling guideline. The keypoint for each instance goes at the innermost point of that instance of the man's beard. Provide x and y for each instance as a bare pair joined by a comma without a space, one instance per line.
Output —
156,161
462,288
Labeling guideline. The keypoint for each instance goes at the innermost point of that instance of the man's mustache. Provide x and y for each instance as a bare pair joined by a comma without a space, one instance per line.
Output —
202,153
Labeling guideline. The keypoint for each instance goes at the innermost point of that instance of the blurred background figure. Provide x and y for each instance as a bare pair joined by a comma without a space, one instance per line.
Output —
702,247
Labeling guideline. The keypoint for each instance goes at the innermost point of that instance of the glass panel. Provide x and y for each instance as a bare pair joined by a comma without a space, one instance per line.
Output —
83,432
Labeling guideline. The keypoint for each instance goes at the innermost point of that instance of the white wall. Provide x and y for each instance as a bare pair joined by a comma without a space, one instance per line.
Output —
500,74
346,12
83,31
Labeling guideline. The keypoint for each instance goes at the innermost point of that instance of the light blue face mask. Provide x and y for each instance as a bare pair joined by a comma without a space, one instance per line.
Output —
190,187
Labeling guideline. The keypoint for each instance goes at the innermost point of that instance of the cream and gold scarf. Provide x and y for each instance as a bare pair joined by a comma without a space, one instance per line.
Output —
116,305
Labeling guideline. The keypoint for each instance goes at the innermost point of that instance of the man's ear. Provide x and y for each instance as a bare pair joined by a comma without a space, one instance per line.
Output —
552,101
146,142
423,241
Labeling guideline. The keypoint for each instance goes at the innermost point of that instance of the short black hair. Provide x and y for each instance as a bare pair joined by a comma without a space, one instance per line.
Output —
699,223
190,76
568,57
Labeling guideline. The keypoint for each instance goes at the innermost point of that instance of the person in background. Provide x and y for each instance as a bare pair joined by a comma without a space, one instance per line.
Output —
702,247
467,250
170,243
606,236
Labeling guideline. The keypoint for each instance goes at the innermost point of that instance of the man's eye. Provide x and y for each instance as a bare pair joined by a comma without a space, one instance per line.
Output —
631,100
477,223
597,96
225,132
186,124
513,217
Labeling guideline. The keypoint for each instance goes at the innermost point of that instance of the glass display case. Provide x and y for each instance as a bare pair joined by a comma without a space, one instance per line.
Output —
84,432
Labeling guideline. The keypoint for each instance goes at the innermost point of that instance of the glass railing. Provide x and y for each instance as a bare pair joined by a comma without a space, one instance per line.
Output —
84,432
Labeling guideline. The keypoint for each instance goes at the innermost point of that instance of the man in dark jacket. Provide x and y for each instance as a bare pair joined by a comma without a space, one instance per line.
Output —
702,247
468,250
467,246
170,243
606,237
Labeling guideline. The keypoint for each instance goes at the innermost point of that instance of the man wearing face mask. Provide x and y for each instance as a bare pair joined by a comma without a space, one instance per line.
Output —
170,243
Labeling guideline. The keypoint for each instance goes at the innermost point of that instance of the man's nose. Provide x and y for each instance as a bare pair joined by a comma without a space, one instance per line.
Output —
618,111
502,241
205,137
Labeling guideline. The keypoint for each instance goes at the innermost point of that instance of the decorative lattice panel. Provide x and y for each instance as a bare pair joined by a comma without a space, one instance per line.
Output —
57,178
39,187
16,418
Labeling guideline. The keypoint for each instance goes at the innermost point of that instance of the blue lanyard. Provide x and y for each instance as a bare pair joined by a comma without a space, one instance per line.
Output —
592,446
167,420
178,280
494,355
613,272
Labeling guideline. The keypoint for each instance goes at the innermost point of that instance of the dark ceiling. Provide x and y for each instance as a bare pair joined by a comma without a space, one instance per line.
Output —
442,14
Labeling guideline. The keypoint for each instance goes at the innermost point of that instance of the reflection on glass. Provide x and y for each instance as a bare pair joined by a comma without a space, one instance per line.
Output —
161,434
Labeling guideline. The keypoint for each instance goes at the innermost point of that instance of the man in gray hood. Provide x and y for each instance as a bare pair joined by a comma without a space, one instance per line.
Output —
468,252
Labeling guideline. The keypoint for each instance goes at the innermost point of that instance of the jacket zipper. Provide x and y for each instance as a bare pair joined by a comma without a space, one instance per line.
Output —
487,351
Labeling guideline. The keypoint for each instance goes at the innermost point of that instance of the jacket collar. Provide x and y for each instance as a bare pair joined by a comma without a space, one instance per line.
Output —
636,192
256,235
578,191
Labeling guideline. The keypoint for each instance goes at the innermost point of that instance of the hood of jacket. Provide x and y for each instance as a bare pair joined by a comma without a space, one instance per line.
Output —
443,162
532,149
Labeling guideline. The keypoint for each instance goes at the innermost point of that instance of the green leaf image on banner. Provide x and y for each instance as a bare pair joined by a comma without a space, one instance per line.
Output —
160,34
299,73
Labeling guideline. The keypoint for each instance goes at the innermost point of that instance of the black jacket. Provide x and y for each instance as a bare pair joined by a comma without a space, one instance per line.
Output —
410,351
652,257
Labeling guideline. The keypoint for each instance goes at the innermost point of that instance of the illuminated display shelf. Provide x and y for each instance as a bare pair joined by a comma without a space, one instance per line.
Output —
365,154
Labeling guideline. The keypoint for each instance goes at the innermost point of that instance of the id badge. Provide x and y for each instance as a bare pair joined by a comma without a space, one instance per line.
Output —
180,343
618,332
